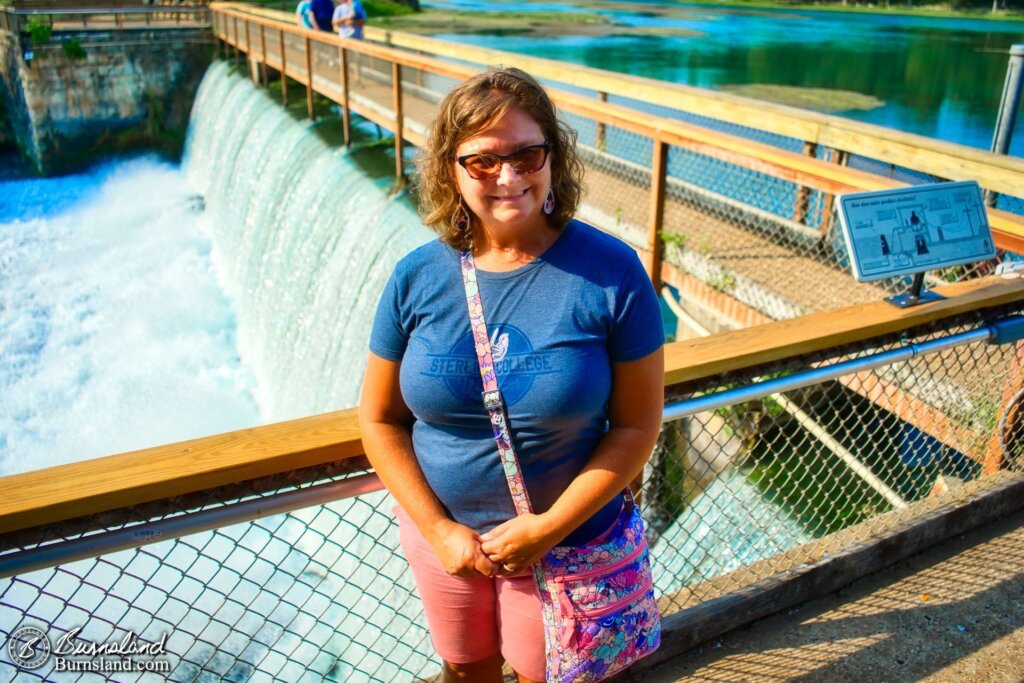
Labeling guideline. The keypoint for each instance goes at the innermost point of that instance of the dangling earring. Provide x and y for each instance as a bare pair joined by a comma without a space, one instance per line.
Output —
549,202
460,219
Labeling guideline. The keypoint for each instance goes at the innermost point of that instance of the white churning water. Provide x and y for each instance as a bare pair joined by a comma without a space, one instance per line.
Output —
114,334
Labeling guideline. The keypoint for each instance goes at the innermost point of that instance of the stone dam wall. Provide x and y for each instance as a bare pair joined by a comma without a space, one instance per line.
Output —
87,93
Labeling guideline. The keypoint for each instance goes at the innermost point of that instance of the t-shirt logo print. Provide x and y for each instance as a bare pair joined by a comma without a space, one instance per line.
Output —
499,346
515,361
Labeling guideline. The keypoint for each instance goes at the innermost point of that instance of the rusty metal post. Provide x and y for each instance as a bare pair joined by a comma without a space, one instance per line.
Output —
309,81
346,111
803,194
659,168
396,85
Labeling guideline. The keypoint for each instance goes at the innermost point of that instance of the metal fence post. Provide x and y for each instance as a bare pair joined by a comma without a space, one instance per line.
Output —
1008,108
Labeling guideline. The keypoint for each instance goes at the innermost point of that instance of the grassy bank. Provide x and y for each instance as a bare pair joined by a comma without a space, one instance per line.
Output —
433,21
1013,12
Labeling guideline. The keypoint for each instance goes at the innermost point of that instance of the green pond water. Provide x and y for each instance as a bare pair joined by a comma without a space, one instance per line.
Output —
939,77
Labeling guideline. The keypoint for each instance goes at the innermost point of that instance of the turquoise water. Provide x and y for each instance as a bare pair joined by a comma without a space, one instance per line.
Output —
938,77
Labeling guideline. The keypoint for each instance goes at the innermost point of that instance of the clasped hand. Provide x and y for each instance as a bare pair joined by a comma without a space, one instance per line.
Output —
517,543
504,550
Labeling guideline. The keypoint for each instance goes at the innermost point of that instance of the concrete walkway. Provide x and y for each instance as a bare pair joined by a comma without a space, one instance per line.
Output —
954,613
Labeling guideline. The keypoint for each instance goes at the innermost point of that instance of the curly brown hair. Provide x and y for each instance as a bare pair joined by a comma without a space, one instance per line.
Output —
470,109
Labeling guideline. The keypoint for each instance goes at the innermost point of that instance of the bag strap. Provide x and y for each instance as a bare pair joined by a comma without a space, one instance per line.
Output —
493,400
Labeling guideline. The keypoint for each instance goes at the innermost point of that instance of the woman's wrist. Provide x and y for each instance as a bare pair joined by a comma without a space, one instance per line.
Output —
555,526
439,530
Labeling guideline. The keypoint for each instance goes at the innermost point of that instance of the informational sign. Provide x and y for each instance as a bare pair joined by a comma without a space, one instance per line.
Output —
913,229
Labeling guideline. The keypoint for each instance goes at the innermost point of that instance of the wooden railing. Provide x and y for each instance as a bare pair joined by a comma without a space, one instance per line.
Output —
129,479
246,31
105,18
1000,173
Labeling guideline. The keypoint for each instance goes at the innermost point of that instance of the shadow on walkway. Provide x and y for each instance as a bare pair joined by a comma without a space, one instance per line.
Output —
953,613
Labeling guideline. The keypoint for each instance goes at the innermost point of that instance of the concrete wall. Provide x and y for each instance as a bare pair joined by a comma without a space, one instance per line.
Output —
132,88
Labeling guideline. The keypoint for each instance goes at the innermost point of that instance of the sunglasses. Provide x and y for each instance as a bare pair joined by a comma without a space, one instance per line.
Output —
524,160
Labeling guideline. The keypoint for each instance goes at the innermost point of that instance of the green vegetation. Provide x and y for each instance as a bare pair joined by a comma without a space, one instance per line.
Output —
39,30
817,99
386,8
432,21
73,49
505,23
813,484
676,238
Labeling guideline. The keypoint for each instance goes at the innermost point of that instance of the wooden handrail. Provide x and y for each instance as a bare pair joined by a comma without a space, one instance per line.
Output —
1008,229
1001,173
124,480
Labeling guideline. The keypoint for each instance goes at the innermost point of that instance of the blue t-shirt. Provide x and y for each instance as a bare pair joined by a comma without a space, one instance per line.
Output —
556,326
303,13
323,11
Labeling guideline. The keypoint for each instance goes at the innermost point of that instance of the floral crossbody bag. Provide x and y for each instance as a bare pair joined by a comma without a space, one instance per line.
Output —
598,602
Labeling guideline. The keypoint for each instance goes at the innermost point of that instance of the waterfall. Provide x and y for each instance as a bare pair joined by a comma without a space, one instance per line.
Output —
305,242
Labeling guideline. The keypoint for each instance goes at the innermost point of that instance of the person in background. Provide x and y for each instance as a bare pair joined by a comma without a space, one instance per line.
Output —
349,18
304,15
323,11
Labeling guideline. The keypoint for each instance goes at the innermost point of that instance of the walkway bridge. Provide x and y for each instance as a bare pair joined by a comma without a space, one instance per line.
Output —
269,553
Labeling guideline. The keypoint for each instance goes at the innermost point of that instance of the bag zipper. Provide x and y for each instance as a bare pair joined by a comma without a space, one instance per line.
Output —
633,554
601,611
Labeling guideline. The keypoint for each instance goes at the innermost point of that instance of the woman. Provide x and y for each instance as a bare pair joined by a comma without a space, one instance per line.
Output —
577,338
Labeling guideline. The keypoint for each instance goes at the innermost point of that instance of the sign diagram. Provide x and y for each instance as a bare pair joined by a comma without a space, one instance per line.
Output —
914,229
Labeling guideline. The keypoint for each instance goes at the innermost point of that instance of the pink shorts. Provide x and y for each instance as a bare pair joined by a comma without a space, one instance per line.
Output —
475,618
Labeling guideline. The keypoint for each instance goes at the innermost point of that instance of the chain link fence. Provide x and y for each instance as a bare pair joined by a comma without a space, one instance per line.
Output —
738,226
742,493
732,496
